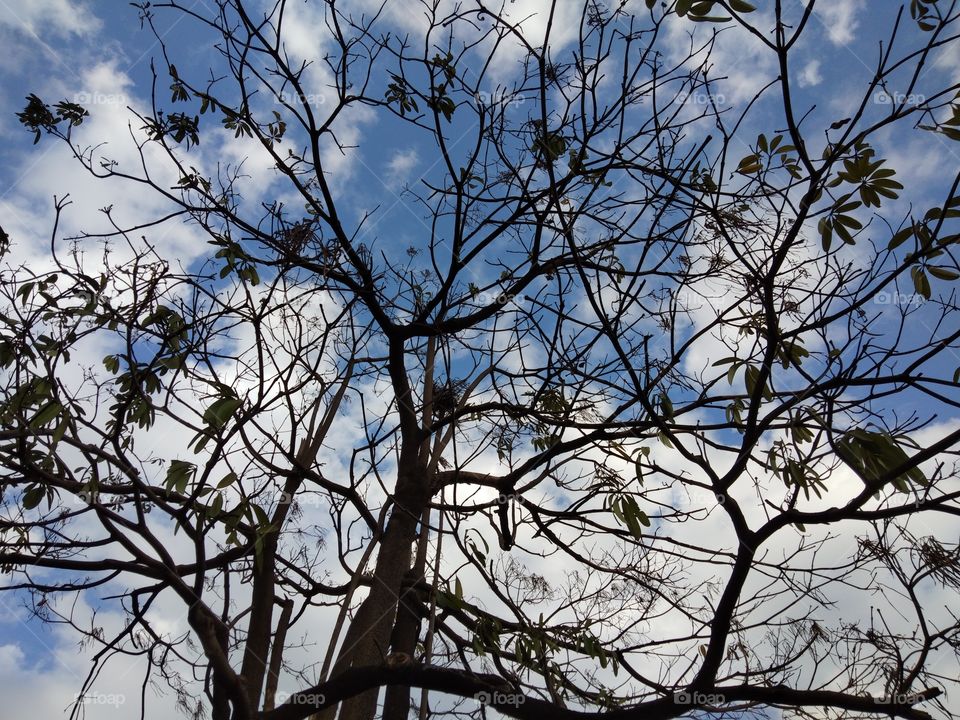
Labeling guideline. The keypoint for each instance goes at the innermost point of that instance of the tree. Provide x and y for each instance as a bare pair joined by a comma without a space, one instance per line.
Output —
662,389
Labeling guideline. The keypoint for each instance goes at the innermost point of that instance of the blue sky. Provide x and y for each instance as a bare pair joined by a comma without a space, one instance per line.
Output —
97,54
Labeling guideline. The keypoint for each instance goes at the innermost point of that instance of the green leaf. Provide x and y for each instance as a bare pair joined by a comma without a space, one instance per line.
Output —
825,227
734,413
60,430
734,364
750,380
850,222
199,441
943,273
900,237
249,273
741,7
950,132
666,406
228,480
749,165
259,516
216,506
32,497
221,411
875,454
732,373
24,292
46,414
844,234
179,475
625,508
710,18
920,282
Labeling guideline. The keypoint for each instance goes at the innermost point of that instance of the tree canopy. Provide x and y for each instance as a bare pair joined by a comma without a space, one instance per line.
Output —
637,399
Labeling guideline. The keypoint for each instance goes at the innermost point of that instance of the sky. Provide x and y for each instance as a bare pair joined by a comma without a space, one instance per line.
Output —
96,53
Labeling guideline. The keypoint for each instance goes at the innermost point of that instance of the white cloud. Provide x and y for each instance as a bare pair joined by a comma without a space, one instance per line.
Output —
48,170
533,16
49,17
11,658
810,75
46,693
840,19
947,59
739,57
46,681
399,167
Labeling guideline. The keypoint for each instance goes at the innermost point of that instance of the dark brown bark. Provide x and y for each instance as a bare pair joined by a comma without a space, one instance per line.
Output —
257,649
367,641
276,654
511,703
403,644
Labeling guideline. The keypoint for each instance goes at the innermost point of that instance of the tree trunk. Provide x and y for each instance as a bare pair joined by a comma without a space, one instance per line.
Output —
367,641
403,644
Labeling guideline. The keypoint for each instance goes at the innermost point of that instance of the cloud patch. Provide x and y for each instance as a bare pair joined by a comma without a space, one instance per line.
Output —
399,167
841,19
810,75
